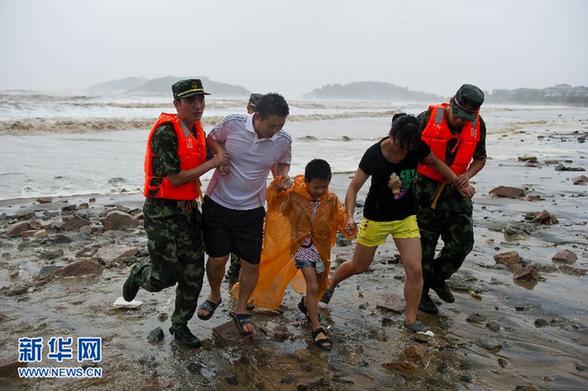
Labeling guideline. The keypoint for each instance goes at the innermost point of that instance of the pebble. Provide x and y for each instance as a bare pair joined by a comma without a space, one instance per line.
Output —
156,335
475,318
541,323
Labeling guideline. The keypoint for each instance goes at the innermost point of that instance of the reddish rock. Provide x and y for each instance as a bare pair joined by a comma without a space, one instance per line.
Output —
8,367
580,180
508,258
401,366
567,269
227,334
544,217
18,228
44,200
507,192
419,355
115,253
528,273
81,268
528,158
118,220
565,256
534,198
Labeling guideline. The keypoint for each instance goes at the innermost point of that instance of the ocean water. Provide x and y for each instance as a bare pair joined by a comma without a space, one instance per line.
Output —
60,145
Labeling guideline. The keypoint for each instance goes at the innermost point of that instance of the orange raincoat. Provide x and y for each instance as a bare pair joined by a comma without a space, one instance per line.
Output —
287,224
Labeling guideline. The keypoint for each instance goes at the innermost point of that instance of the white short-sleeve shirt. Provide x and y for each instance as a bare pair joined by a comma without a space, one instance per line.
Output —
251,158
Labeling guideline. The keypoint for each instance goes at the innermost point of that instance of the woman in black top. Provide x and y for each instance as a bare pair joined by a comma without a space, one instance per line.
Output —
390,209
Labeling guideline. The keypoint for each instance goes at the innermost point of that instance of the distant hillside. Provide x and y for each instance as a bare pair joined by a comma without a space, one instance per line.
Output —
370,90
559,94
162,85
116,86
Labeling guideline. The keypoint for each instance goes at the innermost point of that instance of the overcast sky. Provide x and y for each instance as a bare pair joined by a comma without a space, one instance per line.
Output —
296,45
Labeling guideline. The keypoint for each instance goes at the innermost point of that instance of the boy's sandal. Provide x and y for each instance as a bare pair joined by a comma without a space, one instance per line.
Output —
240,321
323,343
304,310
209,306
327,296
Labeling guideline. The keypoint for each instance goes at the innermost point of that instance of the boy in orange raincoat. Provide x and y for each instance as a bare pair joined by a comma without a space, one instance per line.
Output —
300,231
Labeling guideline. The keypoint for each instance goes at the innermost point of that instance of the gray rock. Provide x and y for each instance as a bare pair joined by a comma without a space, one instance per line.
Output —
48,271
541,323
489,344
475,318
60,239
69,208
561,167
156,335
51,254
74,223
493,325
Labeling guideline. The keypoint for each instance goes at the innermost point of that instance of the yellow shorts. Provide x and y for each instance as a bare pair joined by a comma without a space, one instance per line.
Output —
374,233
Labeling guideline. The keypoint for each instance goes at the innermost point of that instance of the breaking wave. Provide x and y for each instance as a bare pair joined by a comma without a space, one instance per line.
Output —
71,125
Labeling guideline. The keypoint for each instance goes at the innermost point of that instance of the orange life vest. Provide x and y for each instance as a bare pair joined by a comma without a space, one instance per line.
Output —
436,134
191,153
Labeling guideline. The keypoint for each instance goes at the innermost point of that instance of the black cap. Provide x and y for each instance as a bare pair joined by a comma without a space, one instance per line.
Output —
186,88
467,101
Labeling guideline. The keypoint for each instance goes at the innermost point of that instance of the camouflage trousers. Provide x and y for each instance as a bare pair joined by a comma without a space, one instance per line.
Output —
234,268
174,241
452,221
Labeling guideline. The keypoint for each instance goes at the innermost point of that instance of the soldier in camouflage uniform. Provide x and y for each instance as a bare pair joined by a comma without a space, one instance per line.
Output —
443,211
176,157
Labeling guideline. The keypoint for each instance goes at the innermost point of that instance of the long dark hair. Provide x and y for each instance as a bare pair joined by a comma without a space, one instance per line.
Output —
406,130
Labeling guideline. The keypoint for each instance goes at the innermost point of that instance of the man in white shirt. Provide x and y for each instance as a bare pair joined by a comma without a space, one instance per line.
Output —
233,210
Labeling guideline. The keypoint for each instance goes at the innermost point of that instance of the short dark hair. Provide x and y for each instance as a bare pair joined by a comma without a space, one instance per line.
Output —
272,104
406,130
317,169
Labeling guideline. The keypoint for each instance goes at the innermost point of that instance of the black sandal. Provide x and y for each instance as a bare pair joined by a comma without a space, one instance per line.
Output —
323,343
242,320
304,310
209,306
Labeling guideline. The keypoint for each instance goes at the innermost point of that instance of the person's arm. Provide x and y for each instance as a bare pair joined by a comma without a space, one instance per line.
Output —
479,160
440,167
283,168
185,176
218,149
342,222
351,196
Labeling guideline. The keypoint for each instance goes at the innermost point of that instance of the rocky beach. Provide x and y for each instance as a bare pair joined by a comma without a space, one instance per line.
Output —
519,320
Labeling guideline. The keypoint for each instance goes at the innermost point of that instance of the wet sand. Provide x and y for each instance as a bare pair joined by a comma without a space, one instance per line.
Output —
499,334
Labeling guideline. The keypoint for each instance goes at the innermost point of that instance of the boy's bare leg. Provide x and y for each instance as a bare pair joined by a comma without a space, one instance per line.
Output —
311,299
